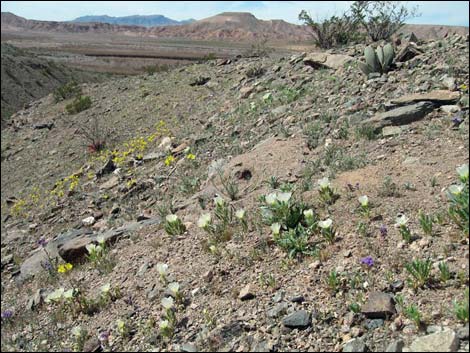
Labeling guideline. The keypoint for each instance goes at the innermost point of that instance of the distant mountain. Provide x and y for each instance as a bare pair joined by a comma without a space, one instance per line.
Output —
136,20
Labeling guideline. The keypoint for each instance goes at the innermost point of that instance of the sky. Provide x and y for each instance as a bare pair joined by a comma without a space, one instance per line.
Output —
453,13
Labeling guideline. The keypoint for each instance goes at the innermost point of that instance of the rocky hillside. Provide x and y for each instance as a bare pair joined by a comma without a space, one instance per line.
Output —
265,163
26,77
234,26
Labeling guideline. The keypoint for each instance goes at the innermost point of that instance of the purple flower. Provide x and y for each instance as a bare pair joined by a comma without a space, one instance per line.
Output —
357,186
368,260
42,241
7,314
46,265
383,230
103,336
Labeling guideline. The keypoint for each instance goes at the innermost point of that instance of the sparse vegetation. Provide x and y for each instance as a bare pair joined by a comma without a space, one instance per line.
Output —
79,104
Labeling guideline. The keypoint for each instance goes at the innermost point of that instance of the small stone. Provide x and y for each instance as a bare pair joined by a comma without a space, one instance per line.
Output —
165,145
297,299
355,345
92,345
463,333
188,347
208,276
450,109
89,221
444,341
391,131
299,319
143,269
397,286
246,293
373,324
395,346
278,310
379,306
449,83
433,329
279,296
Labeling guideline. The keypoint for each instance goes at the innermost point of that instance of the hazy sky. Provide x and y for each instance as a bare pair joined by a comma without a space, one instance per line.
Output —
435,12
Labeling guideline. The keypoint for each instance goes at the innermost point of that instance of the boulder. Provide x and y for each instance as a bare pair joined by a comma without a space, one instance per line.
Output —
331,61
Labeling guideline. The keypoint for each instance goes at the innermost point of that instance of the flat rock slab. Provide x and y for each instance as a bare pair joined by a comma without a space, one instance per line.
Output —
299,319
378,306
444,341
355,345
111,183
436,96
331,61
400,116
246,293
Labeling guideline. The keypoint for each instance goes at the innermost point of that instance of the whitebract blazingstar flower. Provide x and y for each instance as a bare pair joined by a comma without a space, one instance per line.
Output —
325,224
240,214
204,220
308,214
162,269
171,218
164,324
364,200
106,288
55,295
77,331
463,171
174,287
401,220
120,325
100,239
219,201
324,183
271,198
212,249
168,303
284,197
456,189
267,96
275,228
91,248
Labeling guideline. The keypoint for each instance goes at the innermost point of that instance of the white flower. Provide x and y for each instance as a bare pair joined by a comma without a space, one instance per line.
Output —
275,228
324,183
308,214
212,249
171,218
55,295
325,224
284,197
77,331
91,248
168,303
204,220
100,239
240,214
267,96
164,324
456,189
105,289
219,201
120,324
271,198
401,220
364,200
174,287
68,294
162,269
463,171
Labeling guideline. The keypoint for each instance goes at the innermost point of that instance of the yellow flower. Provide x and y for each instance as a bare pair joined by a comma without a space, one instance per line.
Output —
68,266
63,268
191,156
169,160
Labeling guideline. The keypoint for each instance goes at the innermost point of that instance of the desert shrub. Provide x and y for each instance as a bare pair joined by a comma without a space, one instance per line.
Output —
381,19
332,32
94,135
255,71
79,104
259,49
152,69
69,90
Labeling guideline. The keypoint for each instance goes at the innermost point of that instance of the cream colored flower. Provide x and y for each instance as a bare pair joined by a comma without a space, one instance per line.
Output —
168,303
456,189
271,198
240,214
275,228
219,201
308,214
106,288
162,269
284,197
174,288
164,324
204,220
171,218
324,183
401,220
463,171
364,200
326,224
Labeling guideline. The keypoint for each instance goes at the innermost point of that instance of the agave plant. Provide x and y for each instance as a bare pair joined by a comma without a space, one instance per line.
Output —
378,60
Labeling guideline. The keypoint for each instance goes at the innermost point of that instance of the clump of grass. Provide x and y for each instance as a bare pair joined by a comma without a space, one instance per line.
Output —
389,188
314,133
174,225
412,312
458,196
366,132
461,308
69,90
79,104
426,222
420,272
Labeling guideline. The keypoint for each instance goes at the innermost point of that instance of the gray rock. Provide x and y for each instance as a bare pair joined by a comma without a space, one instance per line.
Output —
449,109
331,61
297,299
378,306
391,131
35,300
188,347
444,341
449,83
355,345
400,116
278,310
439,97
280,110
299,319
395,346
463,333
373,324
6,260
